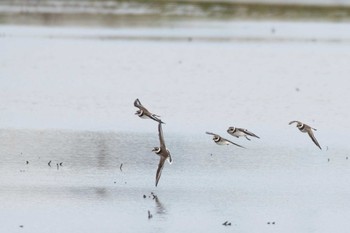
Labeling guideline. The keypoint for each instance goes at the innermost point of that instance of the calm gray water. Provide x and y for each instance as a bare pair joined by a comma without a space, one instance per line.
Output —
298,189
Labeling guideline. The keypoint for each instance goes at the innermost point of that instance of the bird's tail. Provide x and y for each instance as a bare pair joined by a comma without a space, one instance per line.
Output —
170,160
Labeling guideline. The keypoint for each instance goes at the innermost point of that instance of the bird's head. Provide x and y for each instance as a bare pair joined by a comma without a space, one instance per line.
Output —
216,138
139,112
231,129
300,125
156,150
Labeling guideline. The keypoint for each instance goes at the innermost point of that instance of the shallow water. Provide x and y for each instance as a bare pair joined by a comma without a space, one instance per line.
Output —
66,96
196,86
299,190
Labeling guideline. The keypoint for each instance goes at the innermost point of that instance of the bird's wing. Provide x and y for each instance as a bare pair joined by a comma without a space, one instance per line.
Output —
153,116
312,136
160,168
232,142
293,122
161,137
211,133
249,133
137,103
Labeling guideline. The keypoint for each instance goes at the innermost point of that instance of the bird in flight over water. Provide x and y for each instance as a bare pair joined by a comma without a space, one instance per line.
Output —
144,113
222,141
239,132
163,153
307,129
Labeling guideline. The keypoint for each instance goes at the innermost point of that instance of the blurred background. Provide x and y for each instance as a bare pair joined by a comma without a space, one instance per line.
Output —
124,13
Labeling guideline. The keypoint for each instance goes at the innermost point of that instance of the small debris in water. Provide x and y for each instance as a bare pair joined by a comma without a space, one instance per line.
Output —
149,215
49,163
328,159
121,166
61,164
227,223
27,162
154,196
21,226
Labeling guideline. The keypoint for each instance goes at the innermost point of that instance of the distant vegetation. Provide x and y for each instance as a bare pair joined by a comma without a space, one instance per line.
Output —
113,12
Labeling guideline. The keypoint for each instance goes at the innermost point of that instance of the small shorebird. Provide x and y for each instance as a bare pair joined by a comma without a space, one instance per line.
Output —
239,132
163,153
144,113
222,141
306,129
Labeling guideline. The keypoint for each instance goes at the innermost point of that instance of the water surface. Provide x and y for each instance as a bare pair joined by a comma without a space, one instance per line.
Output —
204,187
66,96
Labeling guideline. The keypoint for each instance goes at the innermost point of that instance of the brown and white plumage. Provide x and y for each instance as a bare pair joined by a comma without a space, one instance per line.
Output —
222,141
307,129
144,113
239,132
163,153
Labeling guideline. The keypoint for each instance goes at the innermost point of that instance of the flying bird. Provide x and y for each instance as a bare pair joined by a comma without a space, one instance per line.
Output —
144,113
163,153
239,132
307,129
222,141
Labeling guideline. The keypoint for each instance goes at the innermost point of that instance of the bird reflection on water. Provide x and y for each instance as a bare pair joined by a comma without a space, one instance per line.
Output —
160,209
